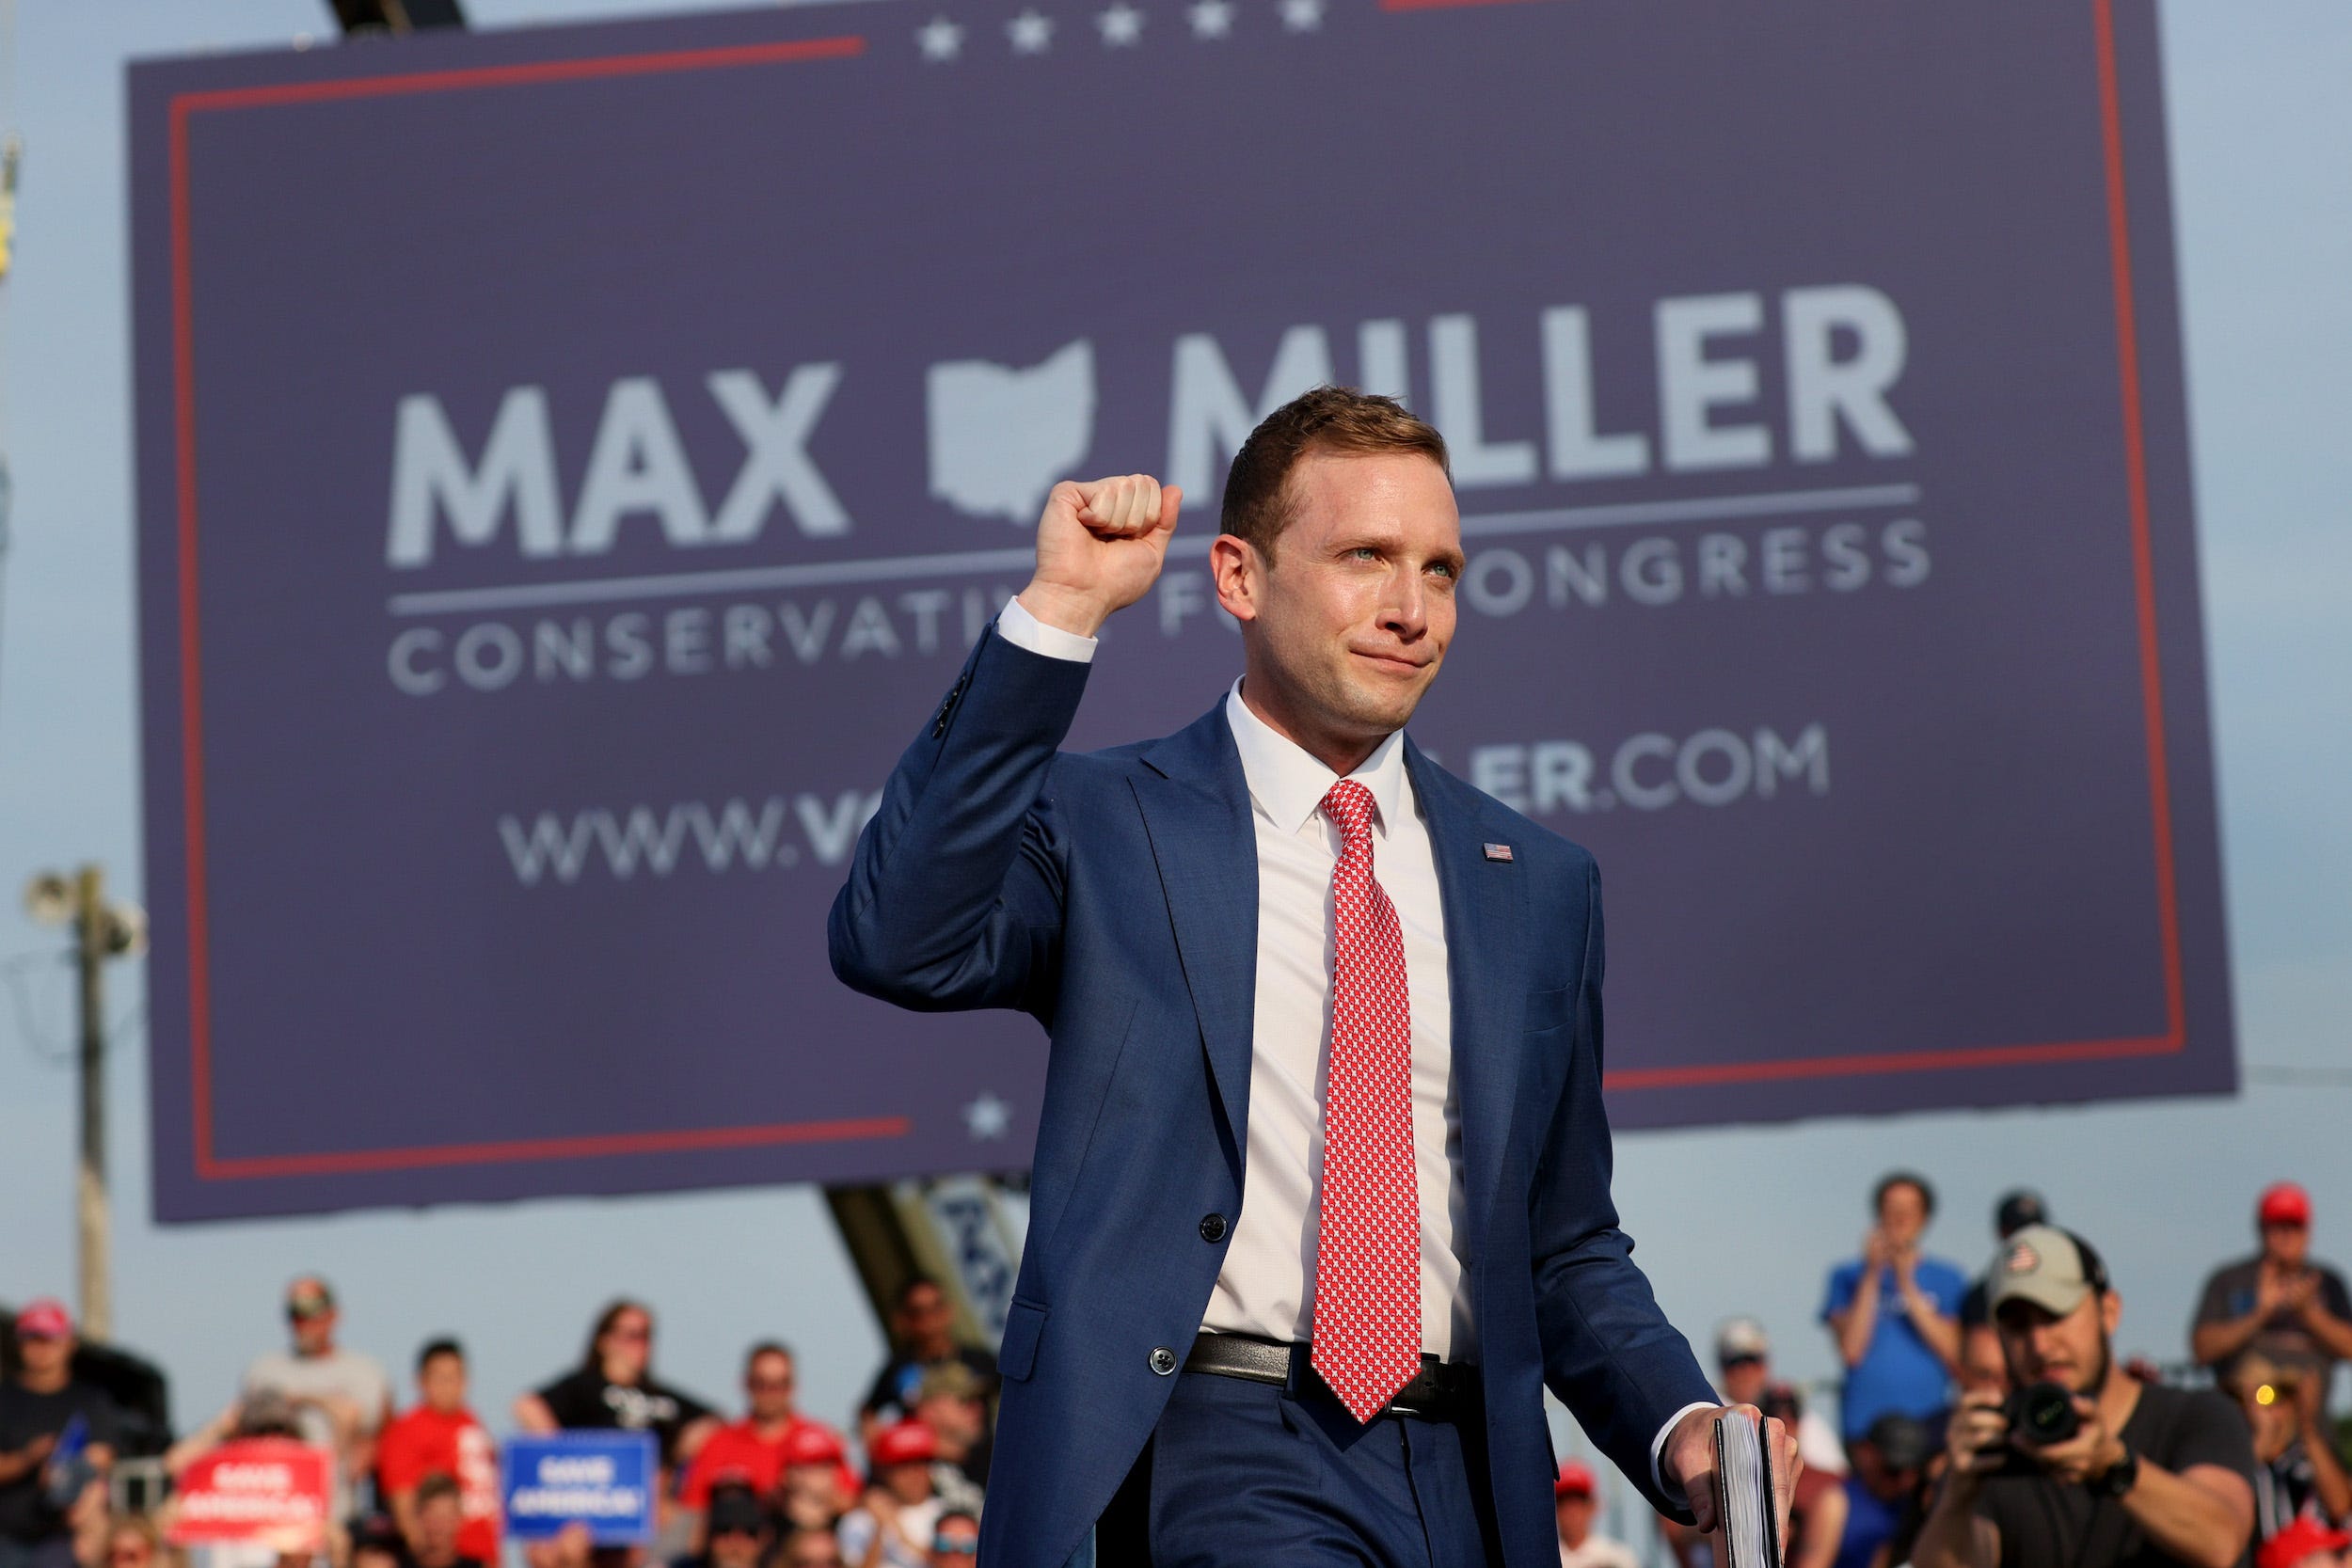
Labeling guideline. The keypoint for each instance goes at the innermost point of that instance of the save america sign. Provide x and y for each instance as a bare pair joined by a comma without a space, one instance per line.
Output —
573,462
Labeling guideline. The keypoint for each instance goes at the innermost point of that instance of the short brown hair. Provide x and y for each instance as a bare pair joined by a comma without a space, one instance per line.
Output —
1326,419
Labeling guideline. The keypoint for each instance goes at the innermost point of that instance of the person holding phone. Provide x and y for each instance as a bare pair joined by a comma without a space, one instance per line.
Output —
57,1443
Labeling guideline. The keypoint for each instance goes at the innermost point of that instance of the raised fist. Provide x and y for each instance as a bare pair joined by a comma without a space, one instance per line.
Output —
1099,546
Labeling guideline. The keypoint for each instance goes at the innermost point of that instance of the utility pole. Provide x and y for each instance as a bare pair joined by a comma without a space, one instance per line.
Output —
93,1225
100,931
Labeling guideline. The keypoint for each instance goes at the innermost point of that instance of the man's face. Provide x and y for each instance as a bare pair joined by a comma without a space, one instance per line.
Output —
1745,1379
955,1543
128,1548
2269,1411
768,1384
2286,1245
1886,1482
1351,619
442,1382
813,1548
1575,1518
45,1354
735,1548
812,1495
810,1479
1903,1214
2069,1350
909,1484
958,1420
438,1524
926,1323
1981,1368
309,1317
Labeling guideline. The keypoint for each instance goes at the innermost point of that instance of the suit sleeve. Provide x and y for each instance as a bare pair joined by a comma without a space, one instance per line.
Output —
954,898
1610,1354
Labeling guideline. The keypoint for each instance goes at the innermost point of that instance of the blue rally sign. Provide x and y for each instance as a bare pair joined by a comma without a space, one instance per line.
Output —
573,463
603,1480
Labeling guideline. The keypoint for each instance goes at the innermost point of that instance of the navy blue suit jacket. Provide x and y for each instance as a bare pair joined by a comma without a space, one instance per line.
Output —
1113,895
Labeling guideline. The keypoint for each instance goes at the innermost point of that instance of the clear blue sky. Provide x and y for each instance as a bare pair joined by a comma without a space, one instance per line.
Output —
1744,1220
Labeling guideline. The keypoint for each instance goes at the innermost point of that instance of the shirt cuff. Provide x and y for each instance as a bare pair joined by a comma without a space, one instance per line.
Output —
1671,1491
1016,625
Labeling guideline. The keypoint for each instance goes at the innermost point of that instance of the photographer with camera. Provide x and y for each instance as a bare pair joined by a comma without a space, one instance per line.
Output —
2297,1473
2084,1464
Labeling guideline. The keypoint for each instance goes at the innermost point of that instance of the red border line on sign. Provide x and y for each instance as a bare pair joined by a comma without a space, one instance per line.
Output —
209,1165
591,1147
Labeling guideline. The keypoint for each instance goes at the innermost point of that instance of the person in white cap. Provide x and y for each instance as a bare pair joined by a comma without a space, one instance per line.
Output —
2147,1475
1743,1369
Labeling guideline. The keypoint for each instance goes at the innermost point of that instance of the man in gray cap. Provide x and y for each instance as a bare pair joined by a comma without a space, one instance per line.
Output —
2148,1476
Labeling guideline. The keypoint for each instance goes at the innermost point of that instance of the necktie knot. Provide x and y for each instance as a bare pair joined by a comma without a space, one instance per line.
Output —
1349,806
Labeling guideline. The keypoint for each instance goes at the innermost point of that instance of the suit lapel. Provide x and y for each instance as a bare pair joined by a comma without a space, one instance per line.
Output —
1195,810
1487,968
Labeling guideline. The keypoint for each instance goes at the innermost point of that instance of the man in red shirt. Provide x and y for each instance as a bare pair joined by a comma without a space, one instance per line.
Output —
753,1450
440,1436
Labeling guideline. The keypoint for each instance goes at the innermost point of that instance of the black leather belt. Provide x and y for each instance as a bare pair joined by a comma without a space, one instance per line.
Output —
1441,1391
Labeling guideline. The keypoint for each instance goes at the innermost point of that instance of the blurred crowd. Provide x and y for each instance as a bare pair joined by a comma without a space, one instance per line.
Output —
1988,1419
1980,1420
419,1487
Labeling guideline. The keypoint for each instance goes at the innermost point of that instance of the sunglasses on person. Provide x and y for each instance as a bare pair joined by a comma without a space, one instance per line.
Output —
955,1546
764,1384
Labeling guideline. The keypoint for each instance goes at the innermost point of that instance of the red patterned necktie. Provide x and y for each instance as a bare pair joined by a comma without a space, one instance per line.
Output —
1367,1330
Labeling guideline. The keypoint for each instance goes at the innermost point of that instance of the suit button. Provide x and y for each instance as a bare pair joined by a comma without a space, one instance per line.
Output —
1212,1227
1162,1360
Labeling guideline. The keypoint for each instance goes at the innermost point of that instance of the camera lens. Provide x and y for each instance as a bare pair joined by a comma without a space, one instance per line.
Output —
2043,1413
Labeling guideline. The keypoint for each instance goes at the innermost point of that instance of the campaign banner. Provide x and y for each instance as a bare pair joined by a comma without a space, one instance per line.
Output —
574,463
264,1491
602,1480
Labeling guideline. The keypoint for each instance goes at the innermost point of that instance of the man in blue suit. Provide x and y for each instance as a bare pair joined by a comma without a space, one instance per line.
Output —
1321,1201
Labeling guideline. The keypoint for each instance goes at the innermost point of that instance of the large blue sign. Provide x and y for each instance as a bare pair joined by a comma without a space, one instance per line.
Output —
573,463
603,1480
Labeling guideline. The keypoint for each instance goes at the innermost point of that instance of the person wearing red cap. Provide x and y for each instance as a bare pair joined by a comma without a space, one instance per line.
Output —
892,1528
2305,1544
57,1441
817,1485
2295,1311
756,1450
1574,1501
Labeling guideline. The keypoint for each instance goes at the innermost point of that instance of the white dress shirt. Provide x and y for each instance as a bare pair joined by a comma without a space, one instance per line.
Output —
1266,1287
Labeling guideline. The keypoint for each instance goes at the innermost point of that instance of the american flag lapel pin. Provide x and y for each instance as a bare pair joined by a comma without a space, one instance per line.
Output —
1498,851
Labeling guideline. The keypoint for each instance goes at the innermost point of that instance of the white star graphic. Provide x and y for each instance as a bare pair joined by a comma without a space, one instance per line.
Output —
1031,32
1122,24
1211,19
939,40
1302,16
987,1117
